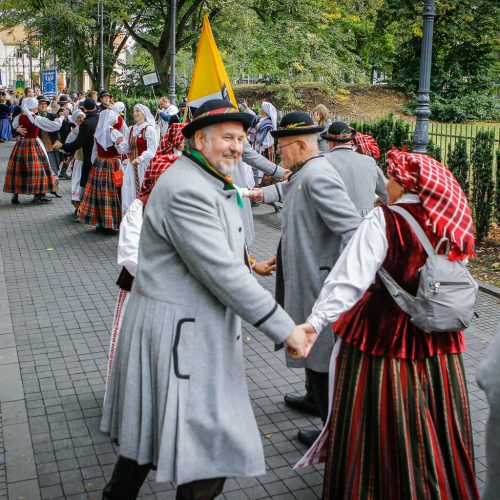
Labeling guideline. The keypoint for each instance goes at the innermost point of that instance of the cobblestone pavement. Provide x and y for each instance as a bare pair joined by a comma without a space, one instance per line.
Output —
57,295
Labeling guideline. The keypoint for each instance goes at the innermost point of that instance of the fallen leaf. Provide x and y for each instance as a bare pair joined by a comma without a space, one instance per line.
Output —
49,249
268,436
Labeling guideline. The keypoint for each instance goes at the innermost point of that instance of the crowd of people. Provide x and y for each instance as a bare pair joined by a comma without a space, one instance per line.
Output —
392,397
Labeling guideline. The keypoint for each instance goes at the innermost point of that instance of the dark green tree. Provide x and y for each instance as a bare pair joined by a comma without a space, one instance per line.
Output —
482,174
458,163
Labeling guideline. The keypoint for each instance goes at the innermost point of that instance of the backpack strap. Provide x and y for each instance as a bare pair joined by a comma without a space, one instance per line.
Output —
417,228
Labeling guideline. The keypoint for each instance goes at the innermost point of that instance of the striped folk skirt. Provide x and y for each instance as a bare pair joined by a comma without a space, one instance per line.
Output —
101,201
28,170
399,429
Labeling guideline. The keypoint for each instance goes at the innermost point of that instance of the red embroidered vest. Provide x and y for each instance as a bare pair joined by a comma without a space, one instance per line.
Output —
137,144
31,130
376,324
111,152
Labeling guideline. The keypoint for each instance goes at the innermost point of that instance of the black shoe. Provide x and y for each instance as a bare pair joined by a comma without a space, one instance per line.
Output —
308,437
56,194
302,403
15,199
44,199
75,219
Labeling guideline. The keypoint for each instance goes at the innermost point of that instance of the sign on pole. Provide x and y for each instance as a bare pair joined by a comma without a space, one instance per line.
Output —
49,82
149,79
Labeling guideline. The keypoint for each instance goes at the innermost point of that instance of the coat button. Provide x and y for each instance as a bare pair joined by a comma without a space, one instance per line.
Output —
239,229
238,337
228,196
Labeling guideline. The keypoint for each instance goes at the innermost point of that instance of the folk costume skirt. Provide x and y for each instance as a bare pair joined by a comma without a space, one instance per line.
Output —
399,429
76,175
101,201
28,170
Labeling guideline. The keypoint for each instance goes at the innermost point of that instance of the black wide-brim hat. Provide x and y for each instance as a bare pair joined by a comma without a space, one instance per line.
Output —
216,111
42,98
103,93
296,123
339,132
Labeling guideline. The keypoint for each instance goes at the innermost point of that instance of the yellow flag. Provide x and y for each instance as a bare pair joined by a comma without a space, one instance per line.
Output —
209,80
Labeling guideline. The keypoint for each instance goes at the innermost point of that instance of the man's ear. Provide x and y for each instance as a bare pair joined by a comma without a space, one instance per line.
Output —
198,139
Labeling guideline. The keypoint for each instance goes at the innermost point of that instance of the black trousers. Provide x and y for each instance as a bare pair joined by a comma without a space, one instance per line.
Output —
128,477
317,385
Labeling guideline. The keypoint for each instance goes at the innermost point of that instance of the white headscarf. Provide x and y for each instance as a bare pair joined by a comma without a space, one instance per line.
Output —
270,111
75,115
150,119
29,103
102,133
119,107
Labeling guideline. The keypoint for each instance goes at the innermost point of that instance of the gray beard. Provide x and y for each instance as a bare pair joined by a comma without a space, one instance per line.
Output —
225,170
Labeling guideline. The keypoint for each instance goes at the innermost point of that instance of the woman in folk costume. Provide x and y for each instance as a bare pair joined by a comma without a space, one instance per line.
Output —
399,424
140,146
130,228
366,145
29,171
101,202
76,118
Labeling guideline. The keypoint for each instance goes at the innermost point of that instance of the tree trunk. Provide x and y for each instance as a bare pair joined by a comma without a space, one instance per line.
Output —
161,60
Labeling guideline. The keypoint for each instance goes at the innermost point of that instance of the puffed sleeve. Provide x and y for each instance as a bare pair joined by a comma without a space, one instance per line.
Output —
130,232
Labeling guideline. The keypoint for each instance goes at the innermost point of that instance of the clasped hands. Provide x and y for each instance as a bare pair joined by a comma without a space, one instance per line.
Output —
300,342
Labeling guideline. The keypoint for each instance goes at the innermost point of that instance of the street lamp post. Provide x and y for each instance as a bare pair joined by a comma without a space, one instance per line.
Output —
423,111
100,15
173,15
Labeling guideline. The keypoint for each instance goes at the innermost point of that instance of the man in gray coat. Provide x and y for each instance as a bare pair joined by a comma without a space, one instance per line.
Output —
318,221
361,175
177,398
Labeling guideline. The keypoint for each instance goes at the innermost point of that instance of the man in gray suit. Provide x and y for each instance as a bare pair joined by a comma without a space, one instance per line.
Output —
318,221
177,398
361,175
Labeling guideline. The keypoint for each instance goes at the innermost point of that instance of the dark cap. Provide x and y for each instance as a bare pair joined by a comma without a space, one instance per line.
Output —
42,98
296,123
339,132
89,104
216,111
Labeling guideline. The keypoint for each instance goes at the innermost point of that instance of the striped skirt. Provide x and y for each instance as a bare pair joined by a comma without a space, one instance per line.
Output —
101,201
28,170
399,429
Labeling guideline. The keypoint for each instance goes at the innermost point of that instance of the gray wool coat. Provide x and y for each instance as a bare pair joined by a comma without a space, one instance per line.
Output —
488,378
318,221
177,396
361,175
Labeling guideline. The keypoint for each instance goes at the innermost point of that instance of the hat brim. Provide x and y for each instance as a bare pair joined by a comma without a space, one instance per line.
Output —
43,100
244,118
290,132
330,138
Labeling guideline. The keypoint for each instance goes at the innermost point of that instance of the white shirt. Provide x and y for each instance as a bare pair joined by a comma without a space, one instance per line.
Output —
355,269
128,240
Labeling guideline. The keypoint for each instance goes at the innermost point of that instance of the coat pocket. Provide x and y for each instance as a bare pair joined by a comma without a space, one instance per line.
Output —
183,347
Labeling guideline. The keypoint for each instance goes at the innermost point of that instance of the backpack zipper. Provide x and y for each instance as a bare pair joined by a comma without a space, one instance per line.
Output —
439,284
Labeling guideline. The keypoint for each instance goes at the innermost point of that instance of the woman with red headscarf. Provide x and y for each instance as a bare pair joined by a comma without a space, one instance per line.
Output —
399,424
168,151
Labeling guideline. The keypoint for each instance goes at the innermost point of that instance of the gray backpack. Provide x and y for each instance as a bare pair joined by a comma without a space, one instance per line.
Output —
446,292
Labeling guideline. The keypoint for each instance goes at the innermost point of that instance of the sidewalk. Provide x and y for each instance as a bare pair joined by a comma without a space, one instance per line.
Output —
57,295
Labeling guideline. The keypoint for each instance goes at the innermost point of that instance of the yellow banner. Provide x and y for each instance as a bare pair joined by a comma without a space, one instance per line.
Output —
209,80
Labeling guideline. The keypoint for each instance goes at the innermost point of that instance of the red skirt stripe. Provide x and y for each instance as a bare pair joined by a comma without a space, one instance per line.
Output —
101,201
28,170
399,429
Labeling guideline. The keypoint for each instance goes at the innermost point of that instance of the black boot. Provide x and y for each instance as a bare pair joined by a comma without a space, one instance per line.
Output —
15,199
56,194
126,481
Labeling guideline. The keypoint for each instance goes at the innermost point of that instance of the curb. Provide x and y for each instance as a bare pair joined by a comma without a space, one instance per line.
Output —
489,289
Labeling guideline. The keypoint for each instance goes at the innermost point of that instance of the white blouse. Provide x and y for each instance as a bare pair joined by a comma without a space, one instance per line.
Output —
356,269
128,240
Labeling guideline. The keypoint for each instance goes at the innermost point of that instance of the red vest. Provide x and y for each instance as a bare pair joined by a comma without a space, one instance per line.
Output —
376,324
111,152
137,144
31,130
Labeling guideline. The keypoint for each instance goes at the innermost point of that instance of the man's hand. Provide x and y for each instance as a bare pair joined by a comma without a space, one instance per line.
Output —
311,334
287,174
297,343
57,146
256,194
265,268
21,130
137,161
120,139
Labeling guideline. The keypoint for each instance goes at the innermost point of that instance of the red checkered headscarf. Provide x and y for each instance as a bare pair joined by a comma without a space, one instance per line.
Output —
171,140
367,145
441,195
164,157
